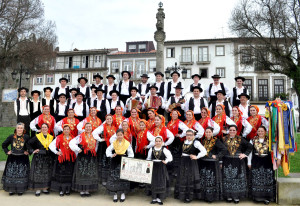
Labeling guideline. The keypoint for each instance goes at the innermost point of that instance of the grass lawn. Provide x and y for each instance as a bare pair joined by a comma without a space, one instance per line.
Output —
4,133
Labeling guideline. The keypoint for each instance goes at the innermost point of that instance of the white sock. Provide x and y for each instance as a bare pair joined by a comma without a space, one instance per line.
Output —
82,193
61,192
122,196
38,191
115,196
158,200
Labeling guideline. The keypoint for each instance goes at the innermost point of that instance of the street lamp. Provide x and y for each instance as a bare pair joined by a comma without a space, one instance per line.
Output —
176,68
14,75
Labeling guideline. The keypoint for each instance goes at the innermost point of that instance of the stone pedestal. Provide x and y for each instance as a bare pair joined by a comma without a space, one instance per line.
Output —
288,191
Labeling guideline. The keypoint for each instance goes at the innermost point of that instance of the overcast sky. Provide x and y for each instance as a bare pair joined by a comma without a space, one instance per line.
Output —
96,24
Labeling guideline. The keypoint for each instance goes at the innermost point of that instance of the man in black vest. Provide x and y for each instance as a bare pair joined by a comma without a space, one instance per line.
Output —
63,88
196,103
61,108
115,101
48,100
177,102
72,99
35,107
85,90
236,91
147,102
160,84
102,105
125,86
134,95
21,107
143,87
170,88
196,78
214,87
98,84
220,100
244,104
81,108
110,86
90,101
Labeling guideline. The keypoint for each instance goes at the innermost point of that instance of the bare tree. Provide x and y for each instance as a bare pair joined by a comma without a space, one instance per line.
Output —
25,36
269,29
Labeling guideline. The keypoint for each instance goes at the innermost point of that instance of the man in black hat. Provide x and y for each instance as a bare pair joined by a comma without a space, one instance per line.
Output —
90,101
196,78
48,100
61,108
110,86
220,100
81,108
170,88
35,107
214,87
159,83
98,84
115,101
63,88
178,101
134,95
236,91
101,104
244,104
196,103
125,86
72,98
143,87
21,107
83,88
147,102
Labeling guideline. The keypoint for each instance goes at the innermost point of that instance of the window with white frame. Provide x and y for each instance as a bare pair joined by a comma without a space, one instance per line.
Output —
50,78
140,68
220,71
220,50
132,48
39,79
68,77
152,65
142,47
115,67
248,84
96,58
203,54
278,86
186,54
246,56
127,66
170,52
203,72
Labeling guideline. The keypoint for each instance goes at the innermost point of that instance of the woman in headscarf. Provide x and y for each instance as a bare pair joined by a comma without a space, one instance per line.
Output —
209,167
206,121
243,126
256,121
192,123
188,180
234,167
103,135
69,120
222,120
134,123
115,151
45,117
118,118
64,163
85,177
160,156
42,161
92,118
150,121
17,166
161,130
262,181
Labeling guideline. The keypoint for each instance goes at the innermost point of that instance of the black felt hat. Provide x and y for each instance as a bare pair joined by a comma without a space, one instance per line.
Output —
63,78
110,76
114,91
98,75
239,77
197,87
159,73
216,76
48,88
220,91
196,75
80,78
127,73
35,92
244,95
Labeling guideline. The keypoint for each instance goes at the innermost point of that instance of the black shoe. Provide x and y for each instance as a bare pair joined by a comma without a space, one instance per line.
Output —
115,200
68,193
37,194
153,202
229,200
122,200
11,194
267,202
88,195
160,203
20,193
187,201
236,201
82,195
46,192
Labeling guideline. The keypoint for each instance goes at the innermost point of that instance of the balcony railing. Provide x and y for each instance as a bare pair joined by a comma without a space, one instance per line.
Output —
203,59
186,59
80,64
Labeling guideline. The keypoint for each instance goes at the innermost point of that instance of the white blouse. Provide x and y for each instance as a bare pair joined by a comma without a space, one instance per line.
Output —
167,153
197,145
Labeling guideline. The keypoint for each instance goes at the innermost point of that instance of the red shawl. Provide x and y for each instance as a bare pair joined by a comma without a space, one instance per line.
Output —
221,121
48,119
239,124
255,123
160,131
127,135
118,121
73,125
141,141
134,126
174,126
96,122
150,124
62,144
88,144
108,131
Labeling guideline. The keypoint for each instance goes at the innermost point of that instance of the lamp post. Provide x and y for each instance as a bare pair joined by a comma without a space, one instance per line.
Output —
22,70
176,68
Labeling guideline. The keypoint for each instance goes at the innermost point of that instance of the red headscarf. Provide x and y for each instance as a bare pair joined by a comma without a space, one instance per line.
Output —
221,121
141,139
239,122
62,144
255,123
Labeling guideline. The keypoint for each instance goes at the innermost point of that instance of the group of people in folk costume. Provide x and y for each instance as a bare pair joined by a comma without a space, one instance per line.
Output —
78,136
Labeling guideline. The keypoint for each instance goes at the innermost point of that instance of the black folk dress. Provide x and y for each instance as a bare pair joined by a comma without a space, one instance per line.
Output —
16,173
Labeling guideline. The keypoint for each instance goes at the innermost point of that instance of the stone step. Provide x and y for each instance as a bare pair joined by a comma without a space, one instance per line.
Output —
288,191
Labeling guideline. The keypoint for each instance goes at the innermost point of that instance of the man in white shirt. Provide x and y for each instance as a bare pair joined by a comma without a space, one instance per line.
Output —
236,91
179,102
159,83
72,99
98,84
21,107
134,95
196,78
110,86
220,100
101,104
244,106
170,86
214,87
61,108
196,103
48,100
81,108
143,87
63,88
35,107
85,90
125,86
160,104
90,101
